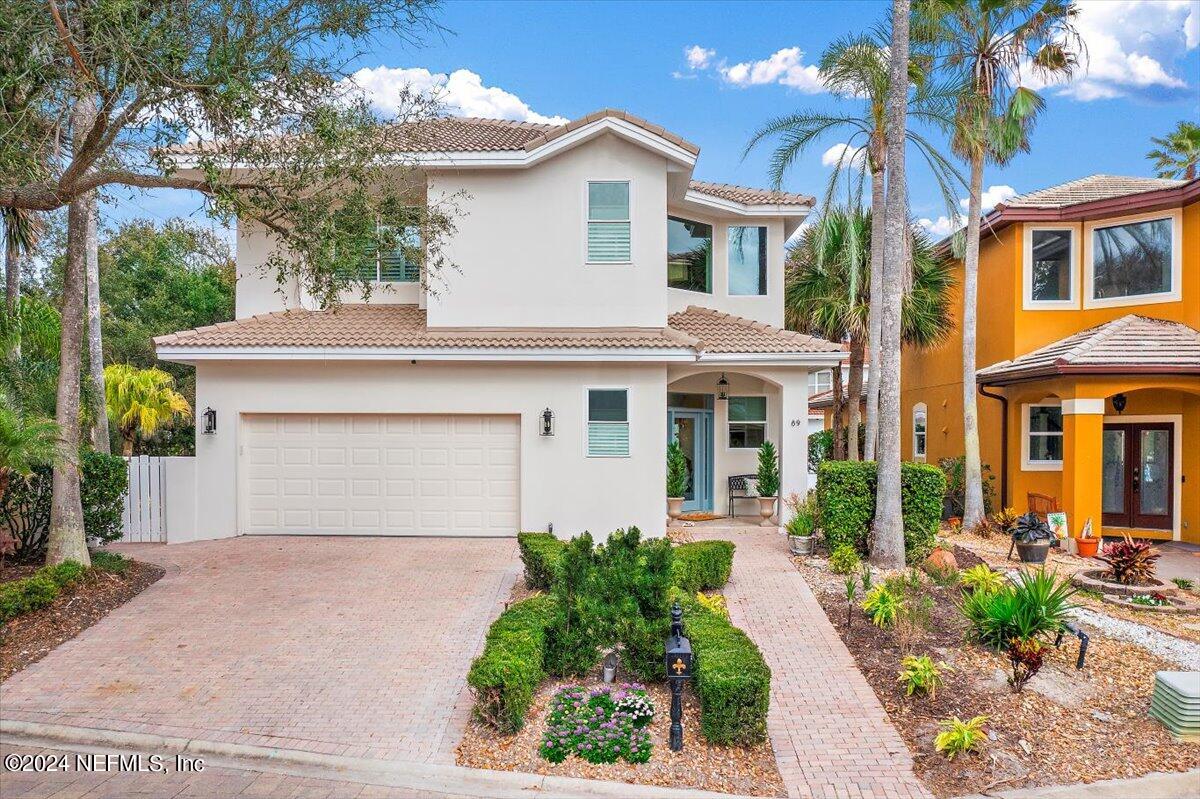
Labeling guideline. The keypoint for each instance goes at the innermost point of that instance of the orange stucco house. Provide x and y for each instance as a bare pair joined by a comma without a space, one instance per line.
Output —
1088,357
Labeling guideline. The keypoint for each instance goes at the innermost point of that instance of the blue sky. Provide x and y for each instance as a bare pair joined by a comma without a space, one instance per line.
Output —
713,72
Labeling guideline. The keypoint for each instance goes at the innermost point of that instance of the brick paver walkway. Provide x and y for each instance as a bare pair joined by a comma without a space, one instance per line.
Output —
831,736
344,646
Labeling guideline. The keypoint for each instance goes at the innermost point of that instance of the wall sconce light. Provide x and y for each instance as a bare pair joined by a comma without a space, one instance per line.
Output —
547,422
722,388
1119,402
210,421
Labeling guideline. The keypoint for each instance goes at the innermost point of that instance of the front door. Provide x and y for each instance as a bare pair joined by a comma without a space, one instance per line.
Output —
1139,479
693,431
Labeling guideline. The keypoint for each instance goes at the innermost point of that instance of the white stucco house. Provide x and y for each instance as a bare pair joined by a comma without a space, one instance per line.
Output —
603,302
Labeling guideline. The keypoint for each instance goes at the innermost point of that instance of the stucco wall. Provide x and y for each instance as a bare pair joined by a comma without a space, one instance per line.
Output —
559,484
521,251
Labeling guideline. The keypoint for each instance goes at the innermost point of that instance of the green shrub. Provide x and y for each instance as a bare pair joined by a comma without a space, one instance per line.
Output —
768,470
732,681
883,605
540,553
506,674
980,577
113,562
846,504
64,574
844,560
1037,606
25,506
26,595
955,500
958,736
919,674
702,565
820,445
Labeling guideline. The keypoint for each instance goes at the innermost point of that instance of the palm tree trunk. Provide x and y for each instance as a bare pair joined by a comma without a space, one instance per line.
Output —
878,200
973,510
12,271
127,444
67,539
854,393
839,415
887,551
95,343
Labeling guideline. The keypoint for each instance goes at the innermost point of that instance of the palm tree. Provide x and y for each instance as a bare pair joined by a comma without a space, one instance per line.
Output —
986,48
830,259
857,67
21,232
1178,152
25,442
140,401
29,341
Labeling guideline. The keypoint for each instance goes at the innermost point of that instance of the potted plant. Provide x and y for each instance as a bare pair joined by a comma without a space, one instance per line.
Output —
768,482
800,526
1032,537
677,479
1087,543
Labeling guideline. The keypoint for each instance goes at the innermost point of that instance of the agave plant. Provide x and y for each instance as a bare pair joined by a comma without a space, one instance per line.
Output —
1129,562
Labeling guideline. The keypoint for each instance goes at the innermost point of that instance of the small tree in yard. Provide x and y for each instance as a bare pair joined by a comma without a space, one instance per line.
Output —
140,401
676,470
768,470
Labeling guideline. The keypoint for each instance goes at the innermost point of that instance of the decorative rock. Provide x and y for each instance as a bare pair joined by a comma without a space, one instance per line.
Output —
941,560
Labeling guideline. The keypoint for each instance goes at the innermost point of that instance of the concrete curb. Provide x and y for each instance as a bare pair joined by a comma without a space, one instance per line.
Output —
1159,785
433,778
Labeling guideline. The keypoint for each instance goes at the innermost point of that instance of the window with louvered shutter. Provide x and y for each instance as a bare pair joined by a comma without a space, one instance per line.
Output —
608,423
398,264
608,222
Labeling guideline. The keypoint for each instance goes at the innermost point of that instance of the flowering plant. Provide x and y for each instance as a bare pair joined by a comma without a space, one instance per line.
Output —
1154,600
600,725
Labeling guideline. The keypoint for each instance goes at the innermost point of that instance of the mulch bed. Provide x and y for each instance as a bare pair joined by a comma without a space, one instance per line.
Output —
30,637
1066,726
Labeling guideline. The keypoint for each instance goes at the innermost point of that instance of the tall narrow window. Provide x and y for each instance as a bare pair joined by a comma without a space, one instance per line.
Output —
920,421
608,222
1043,444
689,255
747,260
608,423
747,422
1050,259
399,259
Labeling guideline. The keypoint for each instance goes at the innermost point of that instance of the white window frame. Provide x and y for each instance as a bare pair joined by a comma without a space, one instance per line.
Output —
816,373
587,220
1028,302
1174,295
766,288
1038,466
766,416
920,411
587,419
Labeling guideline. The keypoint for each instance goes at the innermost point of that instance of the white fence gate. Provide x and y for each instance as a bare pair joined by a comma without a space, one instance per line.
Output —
145,506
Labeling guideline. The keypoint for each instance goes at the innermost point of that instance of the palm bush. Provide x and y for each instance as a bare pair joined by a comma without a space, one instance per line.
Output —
140,401
24,443
1037,606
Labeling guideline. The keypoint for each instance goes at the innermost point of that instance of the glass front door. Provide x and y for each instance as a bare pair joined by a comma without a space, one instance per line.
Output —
1139,478
693,430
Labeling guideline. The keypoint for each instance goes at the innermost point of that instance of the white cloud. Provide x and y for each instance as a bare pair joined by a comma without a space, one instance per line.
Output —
992,196
461,93
942,226
1132,46
698,57
845,155
784,67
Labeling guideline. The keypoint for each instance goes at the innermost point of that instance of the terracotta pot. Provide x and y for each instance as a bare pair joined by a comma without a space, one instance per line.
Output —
674,507
941,560
766,509
1087,547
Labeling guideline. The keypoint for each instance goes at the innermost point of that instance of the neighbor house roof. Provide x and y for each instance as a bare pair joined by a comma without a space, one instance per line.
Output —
1132,344
694,331
824,400
1089,189
748,196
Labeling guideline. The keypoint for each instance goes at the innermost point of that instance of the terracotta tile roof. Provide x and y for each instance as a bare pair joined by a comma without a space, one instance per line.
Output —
404,326
1089,189
1130,345
401,326
614,113
719,332
748,196
824,399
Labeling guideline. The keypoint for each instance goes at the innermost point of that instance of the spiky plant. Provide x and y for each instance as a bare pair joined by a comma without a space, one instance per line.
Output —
1129,562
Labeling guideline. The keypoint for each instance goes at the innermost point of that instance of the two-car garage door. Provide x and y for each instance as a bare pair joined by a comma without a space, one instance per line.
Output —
366,474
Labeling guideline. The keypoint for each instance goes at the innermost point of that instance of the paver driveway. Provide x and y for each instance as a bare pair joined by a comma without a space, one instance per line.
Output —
351,646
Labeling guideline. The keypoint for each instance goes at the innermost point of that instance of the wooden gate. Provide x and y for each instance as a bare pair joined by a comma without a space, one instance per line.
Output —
144,518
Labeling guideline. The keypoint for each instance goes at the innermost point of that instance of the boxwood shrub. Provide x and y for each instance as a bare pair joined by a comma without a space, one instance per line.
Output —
702,565
506,674
540,553
731,679
38,590
846,504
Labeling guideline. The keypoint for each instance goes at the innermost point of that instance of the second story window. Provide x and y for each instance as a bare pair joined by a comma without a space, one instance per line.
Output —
819,382
1050,268
390,254
689,255
608,223
1135,259
747,260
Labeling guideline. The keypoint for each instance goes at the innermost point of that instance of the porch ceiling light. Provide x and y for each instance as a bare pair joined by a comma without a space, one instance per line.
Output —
722,388
1119,402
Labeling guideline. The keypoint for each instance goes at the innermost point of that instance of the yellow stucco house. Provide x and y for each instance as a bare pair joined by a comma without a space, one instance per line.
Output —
1088,357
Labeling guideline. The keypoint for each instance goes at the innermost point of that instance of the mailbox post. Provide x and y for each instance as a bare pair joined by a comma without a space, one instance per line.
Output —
679,668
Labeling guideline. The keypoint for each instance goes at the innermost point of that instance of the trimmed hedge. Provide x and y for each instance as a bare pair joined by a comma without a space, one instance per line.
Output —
846,504
731,679
38,590
506,674
540,553
702,565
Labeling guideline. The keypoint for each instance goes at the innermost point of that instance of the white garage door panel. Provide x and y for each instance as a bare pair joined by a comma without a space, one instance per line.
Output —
328,474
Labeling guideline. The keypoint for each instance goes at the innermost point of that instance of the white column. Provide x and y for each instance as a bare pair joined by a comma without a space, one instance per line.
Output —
793,435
